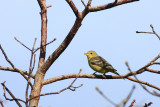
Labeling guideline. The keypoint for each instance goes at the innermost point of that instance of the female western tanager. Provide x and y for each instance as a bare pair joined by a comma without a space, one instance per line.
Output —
99,64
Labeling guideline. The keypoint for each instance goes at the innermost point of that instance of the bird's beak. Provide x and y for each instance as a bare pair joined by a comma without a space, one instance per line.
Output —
86,54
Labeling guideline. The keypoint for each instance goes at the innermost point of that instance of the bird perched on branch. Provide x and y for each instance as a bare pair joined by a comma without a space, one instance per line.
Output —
99,64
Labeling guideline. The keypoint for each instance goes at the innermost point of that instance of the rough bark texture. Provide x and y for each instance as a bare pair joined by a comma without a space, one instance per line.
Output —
39,77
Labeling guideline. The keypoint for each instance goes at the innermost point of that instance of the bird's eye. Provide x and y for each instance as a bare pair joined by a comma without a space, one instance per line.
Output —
91,53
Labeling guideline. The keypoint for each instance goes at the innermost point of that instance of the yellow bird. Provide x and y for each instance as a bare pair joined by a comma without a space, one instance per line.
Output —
99,64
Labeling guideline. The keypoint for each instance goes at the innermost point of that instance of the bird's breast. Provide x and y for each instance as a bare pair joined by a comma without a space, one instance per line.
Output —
97,68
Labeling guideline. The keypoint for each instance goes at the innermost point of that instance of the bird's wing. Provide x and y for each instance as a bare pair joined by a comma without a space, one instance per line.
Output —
101,62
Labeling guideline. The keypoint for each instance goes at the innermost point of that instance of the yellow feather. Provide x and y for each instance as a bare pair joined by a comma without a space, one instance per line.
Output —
92,54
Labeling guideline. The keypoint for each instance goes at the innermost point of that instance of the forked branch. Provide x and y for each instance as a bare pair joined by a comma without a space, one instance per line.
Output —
11,94
122,103
142,82
70,87
153,32
14,66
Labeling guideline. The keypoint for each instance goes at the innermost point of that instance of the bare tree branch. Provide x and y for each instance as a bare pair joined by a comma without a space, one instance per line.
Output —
144,32
44,45
11,94
147,105
141,82
89,3
42,4
158,63
49,6
61,48
91,76
1,102
83,4
123,102
14,66
128,97
105,96
153,32
39,74
155,92
73,7
30,70
152,93
43,65
141,70
19,70
70,87
22,44
132,104
153,71
7,57
34,61
110,5
74,30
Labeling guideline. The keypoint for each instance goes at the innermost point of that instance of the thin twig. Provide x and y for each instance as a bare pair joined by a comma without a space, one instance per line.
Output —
144,32
19,70
147,105
7,57
73,7
141,70
34,61
89,3
100,92
49,6
30,70
141,82
132,104
83,3
152,93
110,5
153,32
70,87
153,71
14,66
11,94
129,96
145,83
1,102
44,45
22,44
155,92
121,104
158,63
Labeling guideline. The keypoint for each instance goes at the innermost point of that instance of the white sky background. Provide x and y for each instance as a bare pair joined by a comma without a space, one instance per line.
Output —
111,33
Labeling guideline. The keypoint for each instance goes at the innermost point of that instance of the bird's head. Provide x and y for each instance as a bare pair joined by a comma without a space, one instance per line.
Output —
91,54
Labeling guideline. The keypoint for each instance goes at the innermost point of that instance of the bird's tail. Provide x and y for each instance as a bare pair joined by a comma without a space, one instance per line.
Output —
115,72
